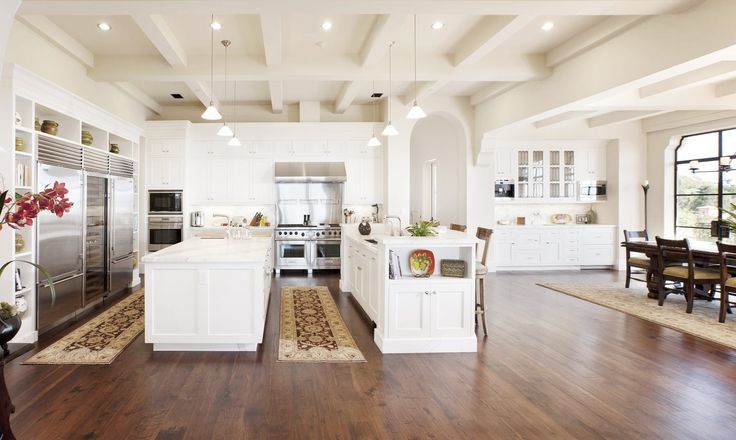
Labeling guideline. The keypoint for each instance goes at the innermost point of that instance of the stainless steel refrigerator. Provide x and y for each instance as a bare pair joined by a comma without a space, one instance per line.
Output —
60,250
121,207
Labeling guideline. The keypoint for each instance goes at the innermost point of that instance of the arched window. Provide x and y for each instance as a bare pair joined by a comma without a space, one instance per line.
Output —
705,183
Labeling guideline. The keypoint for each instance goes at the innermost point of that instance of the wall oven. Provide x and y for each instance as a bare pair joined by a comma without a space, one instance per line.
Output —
592,190
326,254
165,202
164,231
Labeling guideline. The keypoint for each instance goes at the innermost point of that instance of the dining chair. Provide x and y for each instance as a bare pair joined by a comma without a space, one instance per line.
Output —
459,228
728,282
481,270
636,259
676,264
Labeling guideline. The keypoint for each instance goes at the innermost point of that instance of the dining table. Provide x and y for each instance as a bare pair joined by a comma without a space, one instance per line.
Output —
704,253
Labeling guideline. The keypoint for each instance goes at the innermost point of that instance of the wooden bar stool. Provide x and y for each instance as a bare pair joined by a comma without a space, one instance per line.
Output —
481,270
459,228
639,261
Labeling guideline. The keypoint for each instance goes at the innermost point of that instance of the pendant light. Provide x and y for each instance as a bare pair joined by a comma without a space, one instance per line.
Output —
373,141
211,114
225,130
234,141
415,112
390,130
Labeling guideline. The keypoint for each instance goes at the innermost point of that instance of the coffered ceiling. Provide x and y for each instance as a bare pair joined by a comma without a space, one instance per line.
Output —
280,54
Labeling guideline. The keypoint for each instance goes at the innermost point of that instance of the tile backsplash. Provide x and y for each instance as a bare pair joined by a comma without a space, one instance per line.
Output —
545,211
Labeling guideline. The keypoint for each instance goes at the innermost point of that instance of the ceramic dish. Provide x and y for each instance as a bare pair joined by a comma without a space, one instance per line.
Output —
561,219
421,262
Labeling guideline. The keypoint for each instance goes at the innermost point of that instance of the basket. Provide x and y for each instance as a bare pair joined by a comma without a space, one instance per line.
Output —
453,268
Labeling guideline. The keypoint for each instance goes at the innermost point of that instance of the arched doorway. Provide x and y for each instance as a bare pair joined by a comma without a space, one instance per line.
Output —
438,158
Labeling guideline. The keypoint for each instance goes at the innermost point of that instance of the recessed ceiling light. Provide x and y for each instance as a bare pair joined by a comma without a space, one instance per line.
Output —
321,44
437,25
547,26
216,25
327,25
103,26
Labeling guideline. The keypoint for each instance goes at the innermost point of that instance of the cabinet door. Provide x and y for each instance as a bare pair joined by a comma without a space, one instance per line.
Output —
155,173
165,147
164,173
503,253
409,314
550,253
373,290
175,173
503,164
238,180
353,191
451,309
372,181
261,182
597,255
597,163
198,183
217,176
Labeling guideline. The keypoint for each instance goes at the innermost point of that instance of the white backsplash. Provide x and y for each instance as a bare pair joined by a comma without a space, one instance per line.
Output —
234,211
510,212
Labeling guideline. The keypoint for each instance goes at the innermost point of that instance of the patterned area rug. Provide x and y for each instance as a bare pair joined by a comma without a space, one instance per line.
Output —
100,340
312,329
702,322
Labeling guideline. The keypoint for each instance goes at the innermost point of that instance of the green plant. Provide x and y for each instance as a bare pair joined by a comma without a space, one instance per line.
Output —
423,228
7,311
730,222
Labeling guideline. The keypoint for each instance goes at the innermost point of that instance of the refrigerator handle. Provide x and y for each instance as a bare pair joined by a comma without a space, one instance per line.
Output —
64,280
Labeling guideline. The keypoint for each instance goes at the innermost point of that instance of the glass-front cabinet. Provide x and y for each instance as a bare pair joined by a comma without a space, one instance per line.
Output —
562,174
531,173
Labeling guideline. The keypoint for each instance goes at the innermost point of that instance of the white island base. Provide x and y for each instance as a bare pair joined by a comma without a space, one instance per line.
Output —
208,295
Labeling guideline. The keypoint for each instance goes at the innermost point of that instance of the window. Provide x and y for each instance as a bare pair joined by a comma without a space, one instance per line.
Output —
704,182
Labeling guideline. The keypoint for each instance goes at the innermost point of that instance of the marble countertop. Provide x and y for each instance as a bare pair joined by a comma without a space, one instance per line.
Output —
446,238
203,250
553,225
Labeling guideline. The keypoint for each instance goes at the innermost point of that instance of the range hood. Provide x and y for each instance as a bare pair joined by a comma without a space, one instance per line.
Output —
299,172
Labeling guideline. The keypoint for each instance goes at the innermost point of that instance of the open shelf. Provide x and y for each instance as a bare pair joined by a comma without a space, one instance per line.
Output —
99,137
405,280
23,254
70,129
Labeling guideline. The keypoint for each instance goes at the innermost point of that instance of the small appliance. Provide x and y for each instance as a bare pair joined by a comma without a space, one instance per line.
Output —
504,189
197,219
592,190
164,202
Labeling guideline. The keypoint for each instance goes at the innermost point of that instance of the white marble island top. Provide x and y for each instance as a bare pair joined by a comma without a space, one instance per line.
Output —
202,250
378,234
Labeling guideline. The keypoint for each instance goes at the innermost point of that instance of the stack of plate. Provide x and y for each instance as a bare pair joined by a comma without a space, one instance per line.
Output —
86,138
20,144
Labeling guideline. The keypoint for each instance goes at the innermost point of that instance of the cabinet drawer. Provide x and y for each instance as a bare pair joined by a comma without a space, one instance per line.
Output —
527,257
527,240
570,235
596,236
503,235
597,255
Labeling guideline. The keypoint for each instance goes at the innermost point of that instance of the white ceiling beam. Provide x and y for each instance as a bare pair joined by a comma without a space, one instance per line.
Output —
488,35
59,38
201,90
590,38
491,91
276,89
331,68
424,90
348,93
161,36
137,94
678,119
272,40
349,7
725,88
621,117
701,76
384,30
562,117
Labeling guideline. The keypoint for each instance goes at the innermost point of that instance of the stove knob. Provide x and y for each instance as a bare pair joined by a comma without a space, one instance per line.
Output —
302,234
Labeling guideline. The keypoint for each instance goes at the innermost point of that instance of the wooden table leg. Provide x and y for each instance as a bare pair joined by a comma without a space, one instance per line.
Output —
653,277
6,406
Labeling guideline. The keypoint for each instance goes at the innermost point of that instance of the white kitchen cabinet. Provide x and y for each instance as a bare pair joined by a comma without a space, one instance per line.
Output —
505,164
165,173
233,181
288,150
363,282
427,311
364,167
165,147
591,163
525,247
261,186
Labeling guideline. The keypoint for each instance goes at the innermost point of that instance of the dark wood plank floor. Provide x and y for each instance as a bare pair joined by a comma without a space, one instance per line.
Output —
553,366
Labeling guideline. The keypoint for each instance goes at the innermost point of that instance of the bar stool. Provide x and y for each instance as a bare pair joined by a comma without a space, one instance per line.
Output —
481,270
459,228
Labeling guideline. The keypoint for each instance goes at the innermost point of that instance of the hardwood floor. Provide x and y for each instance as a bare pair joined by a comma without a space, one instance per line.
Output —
552,366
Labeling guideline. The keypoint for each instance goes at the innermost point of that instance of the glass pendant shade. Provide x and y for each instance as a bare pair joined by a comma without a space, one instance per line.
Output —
416,112
225,131
233,142
211,114
374,142
390,130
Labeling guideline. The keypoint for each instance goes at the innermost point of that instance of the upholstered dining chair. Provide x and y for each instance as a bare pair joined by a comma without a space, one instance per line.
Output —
459,228
676,264
728,283
636,260
481,270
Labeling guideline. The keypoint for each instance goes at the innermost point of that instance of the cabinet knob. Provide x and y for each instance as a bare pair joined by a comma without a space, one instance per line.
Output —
426,292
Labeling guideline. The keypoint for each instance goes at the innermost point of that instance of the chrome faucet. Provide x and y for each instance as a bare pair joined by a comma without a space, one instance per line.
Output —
395,217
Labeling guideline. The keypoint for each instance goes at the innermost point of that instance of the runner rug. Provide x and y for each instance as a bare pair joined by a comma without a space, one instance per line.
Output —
702,322
312,329
100,340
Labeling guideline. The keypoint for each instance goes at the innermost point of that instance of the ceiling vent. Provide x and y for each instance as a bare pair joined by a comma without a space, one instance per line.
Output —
376,95
177,96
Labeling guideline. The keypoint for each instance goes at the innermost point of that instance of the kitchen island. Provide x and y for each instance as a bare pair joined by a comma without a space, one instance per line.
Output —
208,294
412,315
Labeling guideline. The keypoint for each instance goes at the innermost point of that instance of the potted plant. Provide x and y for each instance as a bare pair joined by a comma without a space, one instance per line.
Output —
423,228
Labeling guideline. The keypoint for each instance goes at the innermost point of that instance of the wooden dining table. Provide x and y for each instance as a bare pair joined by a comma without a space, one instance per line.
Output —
704,252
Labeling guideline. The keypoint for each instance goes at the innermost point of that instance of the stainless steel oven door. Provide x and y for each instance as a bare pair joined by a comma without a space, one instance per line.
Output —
326,254
293,254
164,232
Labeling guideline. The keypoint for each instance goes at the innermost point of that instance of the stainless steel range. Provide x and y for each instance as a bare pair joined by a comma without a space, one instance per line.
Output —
309,248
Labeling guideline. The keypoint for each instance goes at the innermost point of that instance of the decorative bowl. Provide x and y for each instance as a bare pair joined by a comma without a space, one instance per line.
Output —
421,262
561,219
50,127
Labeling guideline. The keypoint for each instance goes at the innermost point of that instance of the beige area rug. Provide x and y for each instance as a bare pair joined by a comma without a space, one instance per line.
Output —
100,340
312,329
702,322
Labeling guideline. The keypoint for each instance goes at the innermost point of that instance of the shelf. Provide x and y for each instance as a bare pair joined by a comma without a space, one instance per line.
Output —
23,154
24,129
433,279
60,139
23,254
23,291
29,188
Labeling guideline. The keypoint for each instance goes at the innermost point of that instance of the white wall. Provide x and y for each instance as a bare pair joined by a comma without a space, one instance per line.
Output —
436,139
30,50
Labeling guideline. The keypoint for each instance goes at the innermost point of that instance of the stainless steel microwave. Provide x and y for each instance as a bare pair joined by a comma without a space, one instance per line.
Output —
164,202
592,190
